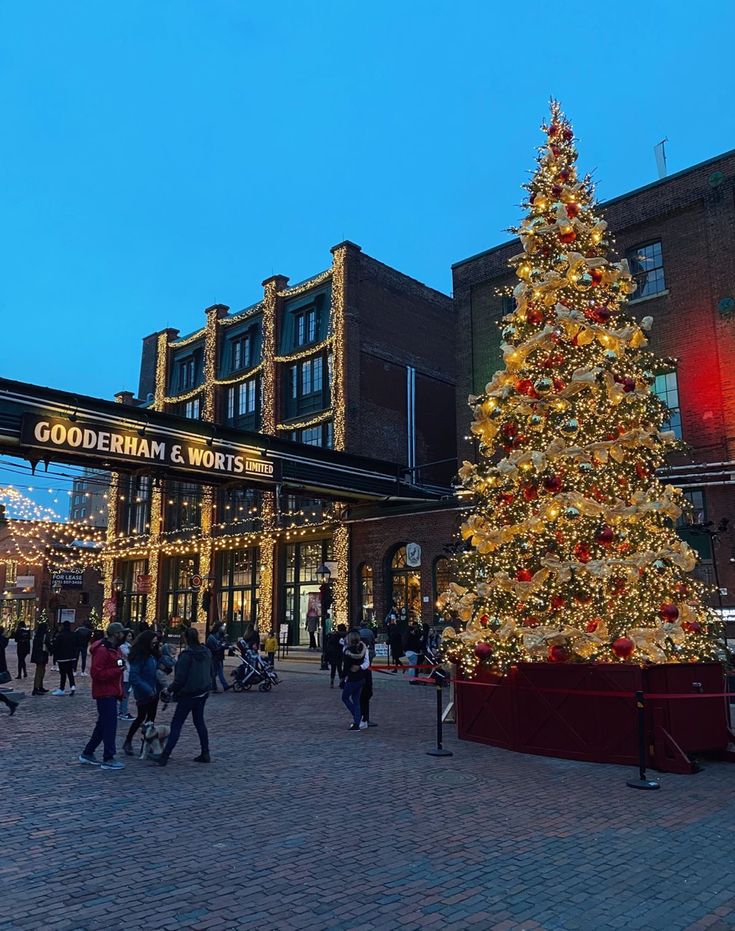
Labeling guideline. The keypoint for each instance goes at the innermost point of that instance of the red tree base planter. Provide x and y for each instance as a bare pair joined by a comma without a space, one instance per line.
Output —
542,708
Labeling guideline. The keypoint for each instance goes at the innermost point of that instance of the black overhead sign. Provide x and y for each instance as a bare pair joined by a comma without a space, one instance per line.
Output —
70,579
140,447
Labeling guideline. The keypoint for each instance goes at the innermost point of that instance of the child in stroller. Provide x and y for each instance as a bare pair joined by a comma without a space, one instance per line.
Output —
252,670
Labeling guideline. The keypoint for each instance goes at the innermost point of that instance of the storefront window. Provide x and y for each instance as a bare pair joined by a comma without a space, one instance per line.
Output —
132,604
238,572
367,606
405,588
302,598
179,600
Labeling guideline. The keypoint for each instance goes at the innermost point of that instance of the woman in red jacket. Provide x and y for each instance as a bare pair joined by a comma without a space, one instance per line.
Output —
107,689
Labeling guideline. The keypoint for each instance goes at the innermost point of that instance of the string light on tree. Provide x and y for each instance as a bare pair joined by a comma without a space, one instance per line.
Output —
572,547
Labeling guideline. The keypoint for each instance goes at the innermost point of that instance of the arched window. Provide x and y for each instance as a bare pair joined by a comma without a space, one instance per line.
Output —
405,587
442,578
365,594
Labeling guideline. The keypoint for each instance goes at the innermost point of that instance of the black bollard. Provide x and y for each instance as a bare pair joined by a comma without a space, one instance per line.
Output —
642,782
440,677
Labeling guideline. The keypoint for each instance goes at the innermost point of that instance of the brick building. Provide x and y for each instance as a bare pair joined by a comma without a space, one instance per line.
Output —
678,235
359,358
88,498
30,583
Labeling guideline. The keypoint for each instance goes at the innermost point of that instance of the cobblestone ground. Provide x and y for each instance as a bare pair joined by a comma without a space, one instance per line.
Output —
300,824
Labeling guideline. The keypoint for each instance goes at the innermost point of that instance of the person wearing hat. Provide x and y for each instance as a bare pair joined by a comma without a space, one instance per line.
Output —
106,671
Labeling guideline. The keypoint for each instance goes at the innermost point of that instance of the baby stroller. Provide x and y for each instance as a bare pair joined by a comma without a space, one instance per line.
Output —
249,674
264,668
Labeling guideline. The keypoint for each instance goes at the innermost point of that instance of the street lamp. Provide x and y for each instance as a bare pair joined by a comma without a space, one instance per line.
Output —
325,596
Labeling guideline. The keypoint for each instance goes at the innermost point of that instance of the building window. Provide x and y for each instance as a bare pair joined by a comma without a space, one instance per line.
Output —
240,506
307,389
667,389
302,589
191,409
238,572
183,506
405,588
320,435
306,327
367,604
135,507
647,267
242,352
688,526
243,402
11,571
179,599
187,373
697,513
133,604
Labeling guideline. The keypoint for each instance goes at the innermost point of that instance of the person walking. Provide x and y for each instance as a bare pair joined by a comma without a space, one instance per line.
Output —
64,649
312,625
22,637
143,659
216,643
396,643
39,656
4,674
106,671
122,708
414,647
82,636
333,653
353,673
190,689
368,638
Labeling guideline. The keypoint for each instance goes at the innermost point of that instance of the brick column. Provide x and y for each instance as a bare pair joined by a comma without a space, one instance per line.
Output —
346,347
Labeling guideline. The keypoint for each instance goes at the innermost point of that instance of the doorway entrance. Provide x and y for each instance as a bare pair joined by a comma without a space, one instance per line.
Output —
302,589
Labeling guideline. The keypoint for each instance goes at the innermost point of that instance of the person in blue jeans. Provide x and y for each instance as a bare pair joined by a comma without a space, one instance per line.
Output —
190,690
354,663
216,643
107,689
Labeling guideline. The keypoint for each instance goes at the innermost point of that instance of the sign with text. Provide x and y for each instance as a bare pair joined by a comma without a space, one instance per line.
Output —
139,447
143,584
72,579
24,581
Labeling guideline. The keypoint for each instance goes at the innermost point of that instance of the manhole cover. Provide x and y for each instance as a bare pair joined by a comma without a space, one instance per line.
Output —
451,778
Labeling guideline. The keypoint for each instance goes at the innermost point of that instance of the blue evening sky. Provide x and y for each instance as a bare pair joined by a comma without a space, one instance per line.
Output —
163,155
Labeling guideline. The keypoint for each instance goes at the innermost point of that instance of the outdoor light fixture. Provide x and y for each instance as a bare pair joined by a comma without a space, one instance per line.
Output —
324,573
118,585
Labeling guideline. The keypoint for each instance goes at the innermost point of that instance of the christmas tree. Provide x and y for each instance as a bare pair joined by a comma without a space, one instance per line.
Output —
571,552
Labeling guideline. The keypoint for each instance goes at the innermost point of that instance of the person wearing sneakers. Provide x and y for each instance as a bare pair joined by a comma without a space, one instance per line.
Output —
64,650
122,709
190,688
106,671
354,663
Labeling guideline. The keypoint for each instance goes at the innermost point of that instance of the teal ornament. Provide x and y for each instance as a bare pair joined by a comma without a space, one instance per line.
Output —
611,355
508,332
584,282
543,385
572,513
570,426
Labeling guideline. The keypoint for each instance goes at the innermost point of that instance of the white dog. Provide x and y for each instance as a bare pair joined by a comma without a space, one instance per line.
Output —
154,737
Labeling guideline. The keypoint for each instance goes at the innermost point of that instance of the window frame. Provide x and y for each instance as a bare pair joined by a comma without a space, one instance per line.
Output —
674,421
644,275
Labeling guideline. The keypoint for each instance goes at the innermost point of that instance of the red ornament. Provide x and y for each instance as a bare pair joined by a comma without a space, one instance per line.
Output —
555,150
565,174
524,575
668,612
556,190
483,650
507,498
552,484
557,601
681,588
520,440
554,130
623,647
534,316
559,384
510,428
605,535
531,621
600,314
530,492
568,237
591,626
582,597
596,274
567,135
525,386
558,654
484,620
572,210
640,470
582,553
628,384
692,627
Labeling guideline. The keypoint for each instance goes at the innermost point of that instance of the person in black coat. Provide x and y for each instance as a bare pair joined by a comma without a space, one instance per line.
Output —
65,653
4,677
39,656
395,639
22,639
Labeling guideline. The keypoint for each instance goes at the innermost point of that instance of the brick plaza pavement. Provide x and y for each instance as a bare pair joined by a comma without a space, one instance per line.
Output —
300,824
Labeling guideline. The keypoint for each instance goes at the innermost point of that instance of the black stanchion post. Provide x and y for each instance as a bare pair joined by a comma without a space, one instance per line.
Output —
440,677
642,782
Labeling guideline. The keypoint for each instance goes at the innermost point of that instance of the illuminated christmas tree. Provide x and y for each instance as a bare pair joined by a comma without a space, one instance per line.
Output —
573,553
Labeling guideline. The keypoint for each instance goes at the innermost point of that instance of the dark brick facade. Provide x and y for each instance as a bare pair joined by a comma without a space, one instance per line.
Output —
692,214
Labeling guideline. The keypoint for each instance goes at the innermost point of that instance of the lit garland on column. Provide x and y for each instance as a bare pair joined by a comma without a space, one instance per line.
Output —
268,380
574,555
341,543
112,508
159,396
338,329
151,608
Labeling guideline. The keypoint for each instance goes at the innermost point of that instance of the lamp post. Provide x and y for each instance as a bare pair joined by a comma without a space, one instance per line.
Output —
117,586
709,530
325,596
